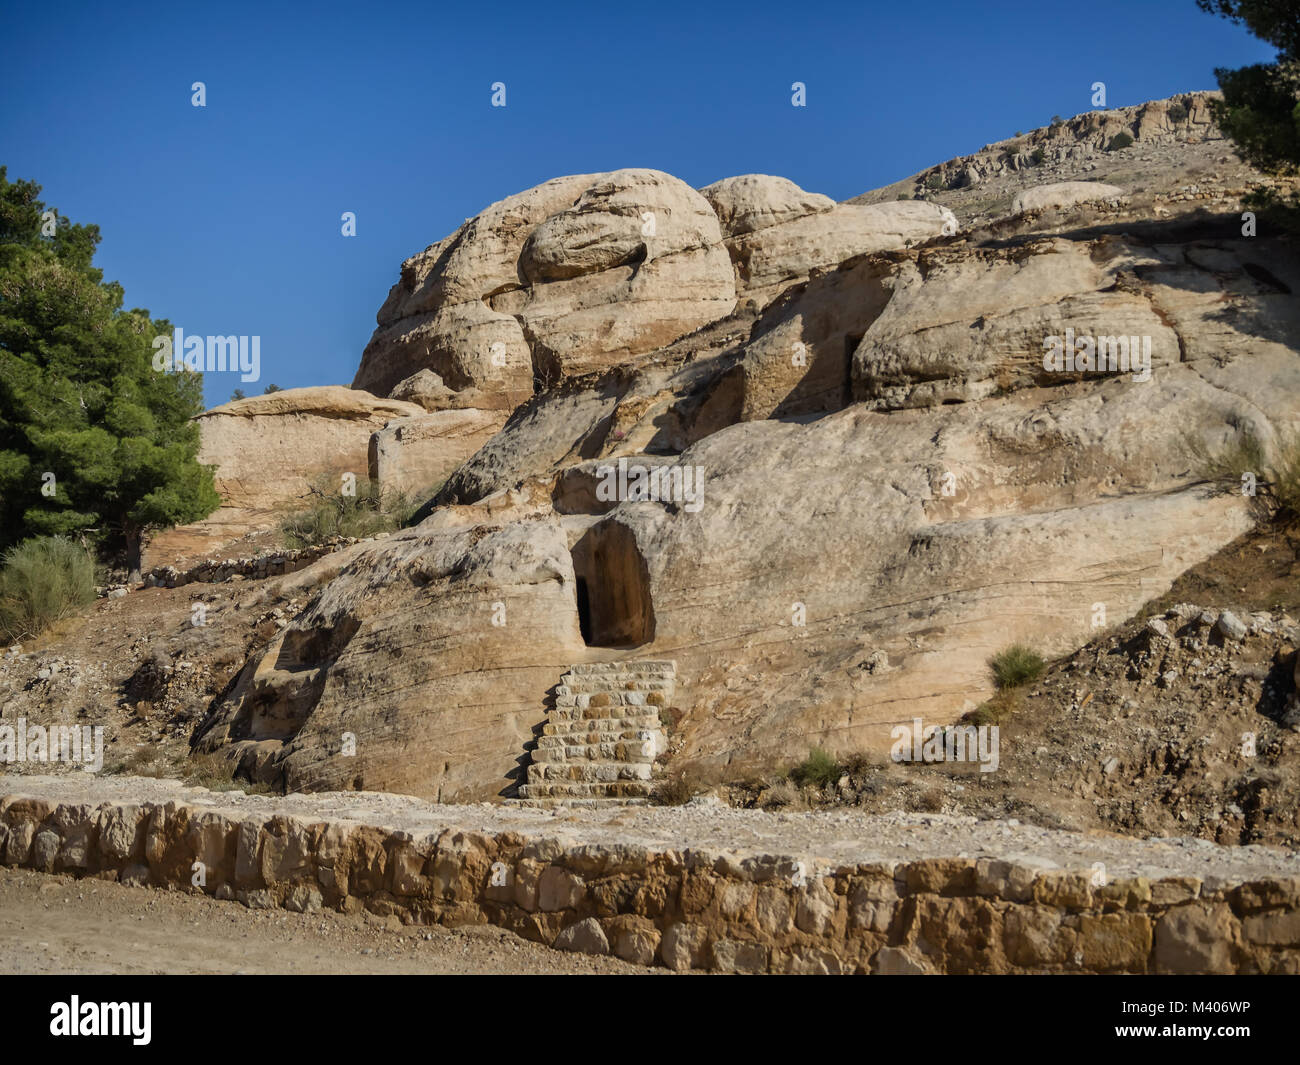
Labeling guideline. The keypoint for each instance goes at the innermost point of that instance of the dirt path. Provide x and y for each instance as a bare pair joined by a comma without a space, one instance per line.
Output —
58,925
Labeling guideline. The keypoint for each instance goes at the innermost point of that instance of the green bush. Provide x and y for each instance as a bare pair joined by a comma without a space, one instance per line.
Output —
1177,113
1016,666
43,581
1119,141
934,181
820,769
1038,155
371,510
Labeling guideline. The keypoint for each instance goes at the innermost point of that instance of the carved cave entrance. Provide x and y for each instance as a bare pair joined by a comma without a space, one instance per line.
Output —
613,588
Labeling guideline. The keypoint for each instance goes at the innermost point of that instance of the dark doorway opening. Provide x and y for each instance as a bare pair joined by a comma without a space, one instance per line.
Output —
851,343
584,611
613,588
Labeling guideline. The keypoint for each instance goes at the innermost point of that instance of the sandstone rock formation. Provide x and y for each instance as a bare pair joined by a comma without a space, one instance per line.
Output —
570,276
329,682
415,454
268,449
891,479
777,234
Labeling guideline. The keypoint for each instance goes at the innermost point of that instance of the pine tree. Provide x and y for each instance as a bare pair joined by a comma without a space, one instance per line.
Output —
93,440
1260,109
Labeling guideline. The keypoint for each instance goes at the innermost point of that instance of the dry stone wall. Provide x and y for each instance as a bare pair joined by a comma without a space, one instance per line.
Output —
684,909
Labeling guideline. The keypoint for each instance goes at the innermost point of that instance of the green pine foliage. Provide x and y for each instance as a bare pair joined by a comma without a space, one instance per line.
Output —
93,440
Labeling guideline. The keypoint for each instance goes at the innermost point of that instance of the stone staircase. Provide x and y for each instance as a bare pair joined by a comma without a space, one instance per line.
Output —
600,741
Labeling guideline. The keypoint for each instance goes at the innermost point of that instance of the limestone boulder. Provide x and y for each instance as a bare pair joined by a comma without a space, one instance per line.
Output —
1062,194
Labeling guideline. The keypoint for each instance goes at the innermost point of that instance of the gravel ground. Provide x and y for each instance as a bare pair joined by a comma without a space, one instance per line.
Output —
831,836
58,925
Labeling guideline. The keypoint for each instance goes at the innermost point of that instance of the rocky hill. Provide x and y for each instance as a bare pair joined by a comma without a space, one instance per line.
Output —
867,479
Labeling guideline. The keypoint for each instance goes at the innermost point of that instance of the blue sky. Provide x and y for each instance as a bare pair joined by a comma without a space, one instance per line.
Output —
226,219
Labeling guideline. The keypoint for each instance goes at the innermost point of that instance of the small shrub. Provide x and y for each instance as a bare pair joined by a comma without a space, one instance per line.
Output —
934,182
1177,113
858,763
1246,454
1118,142
370,511
1037,156
995,711
676,789
1285,477
1016,666
820,770
215,773
43,581
1057,120
931,801
780,795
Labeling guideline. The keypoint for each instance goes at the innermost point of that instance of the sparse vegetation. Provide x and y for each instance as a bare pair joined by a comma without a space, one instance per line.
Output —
995,710
676,789
819,770
934,182
1246,456
780,795
211,771
1177,113
1038,155
43,581
1119,142
1015,666
370,510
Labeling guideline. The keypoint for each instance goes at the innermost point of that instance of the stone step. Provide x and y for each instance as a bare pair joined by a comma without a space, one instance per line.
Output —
573,801
554,789
633,701
582,686
634,750
605,713
590,772
601,737
608,730
627,743
648,666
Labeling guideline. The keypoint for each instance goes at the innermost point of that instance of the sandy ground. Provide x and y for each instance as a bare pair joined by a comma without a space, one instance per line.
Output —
58,925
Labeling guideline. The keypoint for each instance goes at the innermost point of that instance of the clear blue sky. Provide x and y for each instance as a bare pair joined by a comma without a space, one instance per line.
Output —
226,219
